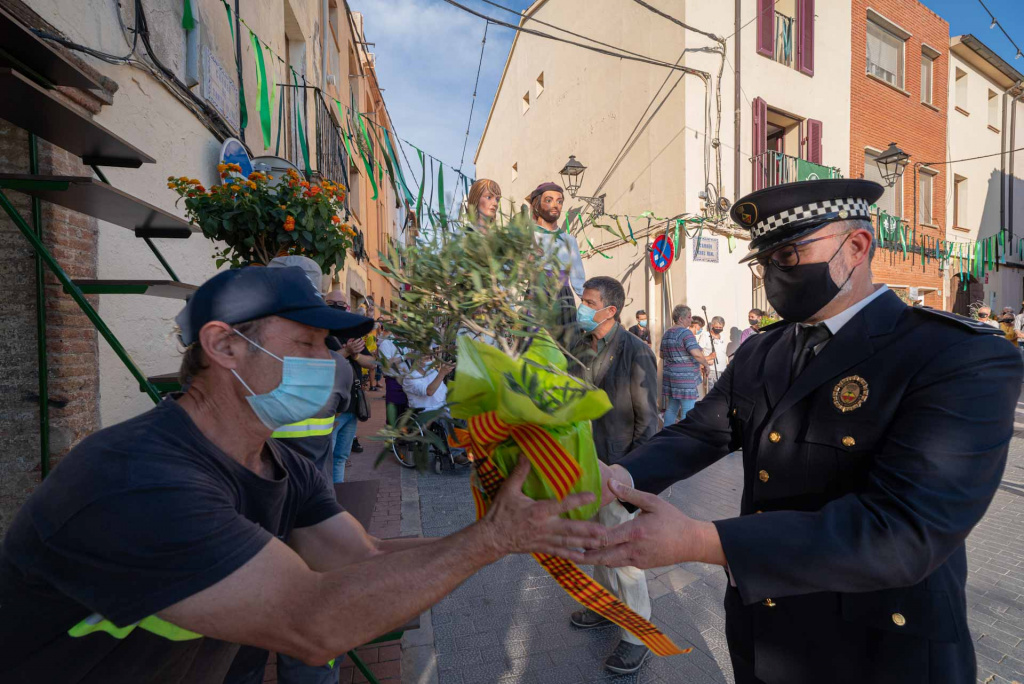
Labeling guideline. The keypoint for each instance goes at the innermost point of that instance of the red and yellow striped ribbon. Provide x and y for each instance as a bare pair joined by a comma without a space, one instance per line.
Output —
487,480
557,468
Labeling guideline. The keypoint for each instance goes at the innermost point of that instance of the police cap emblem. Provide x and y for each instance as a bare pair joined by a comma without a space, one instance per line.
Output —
850,393
747,213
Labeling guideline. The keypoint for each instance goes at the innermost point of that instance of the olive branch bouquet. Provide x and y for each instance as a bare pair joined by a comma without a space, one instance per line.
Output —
494,285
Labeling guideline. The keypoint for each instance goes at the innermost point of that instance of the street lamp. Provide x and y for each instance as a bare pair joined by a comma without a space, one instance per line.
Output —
572,178
891,164
572,175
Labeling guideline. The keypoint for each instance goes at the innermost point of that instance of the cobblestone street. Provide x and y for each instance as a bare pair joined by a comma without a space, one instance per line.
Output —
509,623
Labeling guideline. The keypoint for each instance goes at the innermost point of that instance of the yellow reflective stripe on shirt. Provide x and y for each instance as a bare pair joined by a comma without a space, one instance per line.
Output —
152,624
312,427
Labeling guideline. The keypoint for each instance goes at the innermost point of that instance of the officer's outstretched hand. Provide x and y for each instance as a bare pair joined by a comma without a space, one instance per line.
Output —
661,535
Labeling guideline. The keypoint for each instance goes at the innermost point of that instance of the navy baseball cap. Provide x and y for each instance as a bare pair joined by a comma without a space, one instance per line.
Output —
245,294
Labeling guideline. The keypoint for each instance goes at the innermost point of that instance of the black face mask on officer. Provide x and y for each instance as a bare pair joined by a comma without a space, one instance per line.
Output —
801,291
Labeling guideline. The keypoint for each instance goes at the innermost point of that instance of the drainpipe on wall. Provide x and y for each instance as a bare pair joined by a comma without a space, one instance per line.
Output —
737,104
1002,168
1013,142
325,18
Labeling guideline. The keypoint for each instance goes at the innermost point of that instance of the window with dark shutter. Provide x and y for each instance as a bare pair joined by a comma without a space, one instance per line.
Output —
805,37
814,141
759,144
765,27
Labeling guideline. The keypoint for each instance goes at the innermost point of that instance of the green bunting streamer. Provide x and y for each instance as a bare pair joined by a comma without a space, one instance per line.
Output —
364,154
423,180
398,167
188,21
263,102
630,226
301,128
243,114
440,195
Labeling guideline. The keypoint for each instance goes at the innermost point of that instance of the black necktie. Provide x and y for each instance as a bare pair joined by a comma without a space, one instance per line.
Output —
806,340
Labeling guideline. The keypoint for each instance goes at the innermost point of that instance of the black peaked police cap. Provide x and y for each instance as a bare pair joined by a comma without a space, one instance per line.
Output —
784,213
245,294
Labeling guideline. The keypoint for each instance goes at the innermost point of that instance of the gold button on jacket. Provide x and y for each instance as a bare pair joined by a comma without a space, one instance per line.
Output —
763,476
774,437
898,619
768,603
849,441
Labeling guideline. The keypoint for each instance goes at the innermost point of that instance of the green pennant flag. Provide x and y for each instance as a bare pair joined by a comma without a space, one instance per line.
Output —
630,226
243,114
299,125
188,20
398,166
263,101
387,163
367,164
423,180
440,195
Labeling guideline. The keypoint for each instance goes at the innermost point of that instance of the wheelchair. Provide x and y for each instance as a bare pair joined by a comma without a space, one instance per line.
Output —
441,458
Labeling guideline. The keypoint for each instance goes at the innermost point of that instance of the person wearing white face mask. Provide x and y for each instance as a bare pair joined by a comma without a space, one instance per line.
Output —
162,543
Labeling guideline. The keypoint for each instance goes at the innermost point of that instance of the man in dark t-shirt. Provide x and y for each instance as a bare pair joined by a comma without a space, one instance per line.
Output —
162,543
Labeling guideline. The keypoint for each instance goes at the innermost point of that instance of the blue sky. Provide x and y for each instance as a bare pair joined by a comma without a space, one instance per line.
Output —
427,53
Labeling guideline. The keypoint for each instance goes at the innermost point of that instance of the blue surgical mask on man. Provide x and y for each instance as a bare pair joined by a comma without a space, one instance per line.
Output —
643,323
306,385
585,317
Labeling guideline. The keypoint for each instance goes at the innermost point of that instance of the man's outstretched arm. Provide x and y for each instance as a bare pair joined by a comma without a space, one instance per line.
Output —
275,601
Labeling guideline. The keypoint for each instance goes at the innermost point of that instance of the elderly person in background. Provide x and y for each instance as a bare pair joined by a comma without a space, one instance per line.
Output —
625,368
483,203
714,347
683,360
163,542
984,314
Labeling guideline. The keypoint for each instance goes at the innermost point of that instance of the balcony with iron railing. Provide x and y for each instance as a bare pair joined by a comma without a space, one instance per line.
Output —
775,168
327,156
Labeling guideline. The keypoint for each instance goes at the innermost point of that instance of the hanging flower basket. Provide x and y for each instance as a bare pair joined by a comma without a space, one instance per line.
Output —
257,222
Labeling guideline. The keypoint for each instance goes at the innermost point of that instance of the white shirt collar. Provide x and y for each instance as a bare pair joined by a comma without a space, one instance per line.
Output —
836,323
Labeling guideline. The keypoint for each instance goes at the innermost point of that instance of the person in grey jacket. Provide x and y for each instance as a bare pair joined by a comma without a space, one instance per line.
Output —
621,364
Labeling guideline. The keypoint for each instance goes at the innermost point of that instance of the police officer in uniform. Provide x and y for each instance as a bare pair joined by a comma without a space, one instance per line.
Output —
874,436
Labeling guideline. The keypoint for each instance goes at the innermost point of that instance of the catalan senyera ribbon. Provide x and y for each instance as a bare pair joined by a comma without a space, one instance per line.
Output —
561,472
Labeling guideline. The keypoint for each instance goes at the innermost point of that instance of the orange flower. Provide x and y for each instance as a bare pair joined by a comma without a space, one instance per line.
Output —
335,220
252,186
224,174
281,206
191,194
201,189
292,172
304,184
170,178
235,188
170,185
289,224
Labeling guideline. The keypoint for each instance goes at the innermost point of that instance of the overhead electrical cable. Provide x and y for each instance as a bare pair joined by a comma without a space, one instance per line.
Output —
541,34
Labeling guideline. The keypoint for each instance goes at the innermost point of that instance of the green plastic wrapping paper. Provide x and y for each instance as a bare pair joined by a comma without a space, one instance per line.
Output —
534,389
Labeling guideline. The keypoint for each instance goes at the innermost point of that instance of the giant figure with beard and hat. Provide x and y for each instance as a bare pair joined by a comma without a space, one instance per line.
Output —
546,208
871,448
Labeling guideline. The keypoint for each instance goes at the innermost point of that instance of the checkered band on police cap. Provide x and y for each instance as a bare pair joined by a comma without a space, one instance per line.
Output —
855,208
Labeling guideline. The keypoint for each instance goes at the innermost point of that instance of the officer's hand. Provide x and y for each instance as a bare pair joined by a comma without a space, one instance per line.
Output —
661,535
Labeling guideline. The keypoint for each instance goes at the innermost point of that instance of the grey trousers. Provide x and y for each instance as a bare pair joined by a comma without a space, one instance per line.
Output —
628,584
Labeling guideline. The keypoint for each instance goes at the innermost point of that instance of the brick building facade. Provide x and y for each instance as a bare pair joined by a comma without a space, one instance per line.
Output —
71,340
898,93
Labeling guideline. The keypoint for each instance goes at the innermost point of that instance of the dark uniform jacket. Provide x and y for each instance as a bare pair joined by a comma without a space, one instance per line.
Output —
861,482
625,368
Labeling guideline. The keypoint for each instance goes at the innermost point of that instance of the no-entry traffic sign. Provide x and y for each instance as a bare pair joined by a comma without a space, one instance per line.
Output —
662,253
